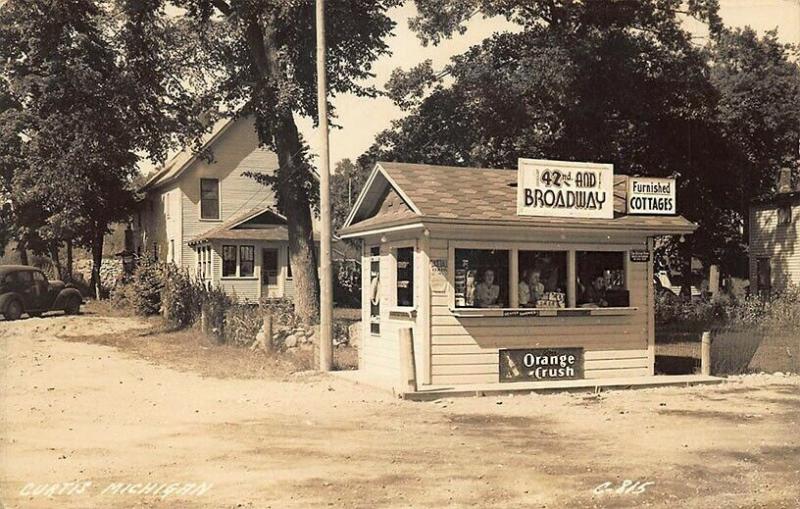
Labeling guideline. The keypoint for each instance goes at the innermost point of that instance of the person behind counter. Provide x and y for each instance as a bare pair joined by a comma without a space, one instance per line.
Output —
486,292
594,295
530,288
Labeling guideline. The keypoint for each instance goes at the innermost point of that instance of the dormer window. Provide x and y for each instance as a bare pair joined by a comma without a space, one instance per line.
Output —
209,199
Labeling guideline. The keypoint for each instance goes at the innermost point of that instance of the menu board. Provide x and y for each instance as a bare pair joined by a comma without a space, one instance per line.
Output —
405,277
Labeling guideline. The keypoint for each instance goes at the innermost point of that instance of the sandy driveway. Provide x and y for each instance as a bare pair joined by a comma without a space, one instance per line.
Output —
129,433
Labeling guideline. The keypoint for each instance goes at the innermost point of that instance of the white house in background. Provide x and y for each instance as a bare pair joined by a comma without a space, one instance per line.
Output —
775,239
214,221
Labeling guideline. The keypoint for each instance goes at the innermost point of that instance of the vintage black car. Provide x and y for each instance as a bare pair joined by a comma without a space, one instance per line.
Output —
26,289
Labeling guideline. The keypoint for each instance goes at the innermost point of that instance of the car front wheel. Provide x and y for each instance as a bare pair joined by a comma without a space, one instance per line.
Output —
13,310
73,306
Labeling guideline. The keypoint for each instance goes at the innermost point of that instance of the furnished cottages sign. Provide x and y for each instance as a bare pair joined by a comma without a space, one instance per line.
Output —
541,364
565,189
651,196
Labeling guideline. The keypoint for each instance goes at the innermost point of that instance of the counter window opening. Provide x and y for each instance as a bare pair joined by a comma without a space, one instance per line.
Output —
600,279
404,276
481,278
374,290
542,279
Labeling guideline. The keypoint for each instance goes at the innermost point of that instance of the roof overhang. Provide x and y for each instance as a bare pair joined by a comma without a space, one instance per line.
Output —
677,225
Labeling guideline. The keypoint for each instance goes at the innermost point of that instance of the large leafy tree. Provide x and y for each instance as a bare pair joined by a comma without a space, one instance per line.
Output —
758,81
262,61
346,181
620,82
82,102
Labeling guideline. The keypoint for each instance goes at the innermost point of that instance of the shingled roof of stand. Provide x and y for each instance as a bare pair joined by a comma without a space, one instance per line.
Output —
462,195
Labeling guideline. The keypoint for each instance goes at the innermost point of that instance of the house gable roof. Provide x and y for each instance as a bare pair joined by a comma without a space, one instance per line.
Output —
181,161
463,195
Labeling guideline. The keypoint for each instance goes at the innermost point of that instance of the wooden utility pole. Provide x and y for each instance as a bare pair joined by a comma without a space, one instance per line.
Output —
326,273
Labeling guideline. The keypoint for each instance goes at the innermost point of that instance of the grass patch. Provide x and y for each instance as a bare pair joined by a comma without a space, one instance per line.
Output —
190,350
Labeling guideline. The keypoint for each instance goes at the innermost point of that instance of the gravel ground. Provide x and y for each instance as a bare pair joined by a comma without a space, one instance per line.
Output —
90,425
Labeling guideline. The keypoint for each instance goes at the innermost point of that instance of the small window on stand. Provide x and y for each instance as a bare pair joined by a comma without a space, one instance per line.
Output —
405,276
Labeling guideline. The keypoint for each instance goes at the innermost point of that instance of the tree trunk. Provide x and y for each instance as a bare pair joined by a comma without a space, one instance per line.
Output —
56,257
293,196
302,255
22,251
97,261
68,267
686,268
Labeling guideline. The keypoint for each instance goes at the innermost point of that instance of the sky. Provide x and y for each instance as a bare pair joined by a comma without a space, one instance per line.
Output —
362,118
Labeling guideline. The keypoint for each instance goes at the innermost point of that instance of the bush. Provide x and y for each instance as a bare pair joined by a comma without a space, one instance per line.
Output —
687,314
282,311
347,287
181,296
242,323
123,297
341,332
147,282
213,304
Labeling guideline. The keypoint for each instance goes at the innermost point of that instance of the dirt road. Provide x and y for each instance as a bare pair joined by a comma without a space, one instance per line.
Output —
128,433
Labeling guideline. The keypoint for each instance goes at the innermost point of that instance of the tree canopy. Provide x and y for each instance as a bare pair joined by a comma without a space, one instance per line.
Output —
262,60
81,104
619,82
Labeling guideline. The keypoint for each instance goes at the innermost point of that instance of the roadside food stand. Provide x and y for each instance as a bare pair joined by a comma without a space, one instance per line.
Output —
530,275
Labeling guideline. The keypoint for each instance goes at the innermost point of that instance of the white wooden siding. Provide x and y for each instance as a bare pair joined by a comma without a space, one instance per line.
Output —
779,243
235,153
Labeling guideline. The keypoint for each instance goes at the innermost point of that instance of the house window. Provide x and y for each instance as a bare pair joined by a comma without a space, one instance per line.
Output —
228,261
785,214
375,290
404,258
600,279
209,199
542,279
481,278
247,257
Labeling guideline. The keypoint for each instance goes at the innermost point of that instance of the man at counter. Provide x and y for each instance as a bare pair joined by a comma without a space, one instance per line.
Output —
486,292
594,295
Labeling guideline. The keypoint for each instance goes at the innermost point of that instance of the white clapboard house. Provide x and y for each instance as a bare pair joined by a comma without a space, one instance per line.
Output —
775,240
216,222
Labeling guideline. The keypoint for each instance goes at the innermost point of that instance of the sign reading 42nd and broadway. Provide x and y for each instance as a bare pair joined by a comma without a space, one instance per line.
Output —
651,195
565,189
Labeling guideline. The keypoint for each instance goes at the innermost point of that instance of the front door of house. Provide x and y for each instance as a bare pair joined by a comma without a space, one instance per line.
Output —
269,273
